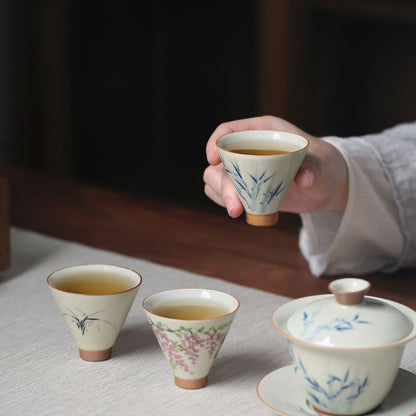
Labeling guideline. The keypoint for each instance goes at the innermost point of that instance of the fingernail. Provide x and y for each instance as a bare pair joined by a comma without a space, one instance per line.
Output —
311,177
210,155
229,205
307,183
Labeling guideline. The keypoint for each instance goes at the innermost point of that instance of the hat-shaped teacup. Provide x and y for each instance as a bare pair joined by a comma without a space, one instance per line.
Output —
190,326
262,165
94,299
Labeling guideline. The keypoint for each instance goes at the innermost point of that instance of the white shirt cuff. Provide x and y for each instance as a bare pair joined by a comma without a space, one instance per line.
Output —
367,236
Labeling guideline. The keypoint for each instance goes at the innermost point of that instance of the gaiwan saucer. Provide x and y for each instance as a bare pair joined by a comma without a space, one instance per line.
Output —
278,390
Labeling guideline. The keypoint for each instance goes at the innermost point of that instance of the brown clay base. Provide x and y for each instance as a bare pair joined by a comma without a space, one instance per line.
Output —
95,355
262,220
191,384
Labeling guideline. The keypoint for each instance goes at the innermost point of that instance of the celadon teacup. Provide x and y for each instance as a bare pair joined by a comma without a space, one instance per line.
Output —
190,341
94,300
262,165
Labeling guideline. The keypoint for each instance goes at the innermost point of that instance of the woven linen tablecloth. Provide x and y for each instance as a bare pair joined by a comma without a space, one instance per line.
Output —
42,374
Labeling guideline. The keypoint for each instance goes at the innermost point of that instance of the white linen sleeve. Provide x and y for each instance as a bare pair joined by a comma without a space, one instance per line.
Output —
364,238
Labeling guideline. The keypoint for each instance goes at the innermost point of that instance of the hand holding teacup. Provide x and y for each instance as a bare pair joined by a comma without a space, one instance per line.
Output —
262,165
320,183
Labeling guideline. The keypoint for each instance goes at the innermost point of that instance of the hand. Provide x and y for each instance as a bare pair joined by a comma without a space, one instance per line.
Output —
321,182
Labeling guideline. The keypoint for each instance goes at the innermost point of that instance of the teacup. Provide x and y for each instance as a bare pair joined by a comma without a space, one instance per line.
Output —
262,165
94,299
347,348
190,326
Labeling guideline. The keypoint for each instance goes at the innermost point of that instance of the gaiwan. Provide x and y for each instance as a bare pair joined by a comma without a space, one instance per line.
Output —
346,347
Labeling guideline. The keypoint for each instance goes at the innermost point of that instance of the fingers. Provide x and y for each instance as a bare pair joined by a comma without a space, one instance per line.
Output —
226,128
230,197
321,183
309,172
211,150
254,123
219,188
213,178
214,196
304,178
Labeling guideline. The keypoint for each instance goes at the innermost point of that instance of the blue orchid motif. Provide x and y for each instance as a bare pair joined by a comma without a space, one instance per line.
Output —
83,320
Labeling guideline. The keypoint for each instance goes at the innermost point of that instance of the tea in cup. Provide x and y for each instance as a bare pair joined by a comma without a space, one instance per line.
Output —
262,165
94,300
190,326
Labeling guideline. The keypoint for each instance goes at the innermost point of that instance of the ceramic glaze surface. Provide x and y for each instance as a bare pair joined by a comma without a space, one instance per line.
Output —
280,392
347,385
369,324
191,346
262,181
190,349
345,356
95,321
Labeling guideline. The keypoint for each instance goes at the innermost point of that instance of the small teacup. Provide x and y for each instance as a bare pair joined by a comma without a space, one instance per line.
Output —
190,326
94,300
262,165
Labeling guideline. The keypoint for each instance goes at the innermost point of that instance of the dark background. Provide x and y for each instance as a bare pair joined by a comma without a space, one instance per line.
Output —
124,94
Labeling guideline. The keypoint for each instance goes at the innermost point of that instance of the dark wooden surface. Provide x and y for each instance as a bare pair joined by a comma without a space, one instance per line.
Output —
197,240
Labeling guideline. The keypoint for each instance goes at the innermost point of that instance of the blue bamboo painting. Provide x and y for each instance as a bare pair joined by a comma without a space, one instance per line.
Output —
337,324
337,390
259,189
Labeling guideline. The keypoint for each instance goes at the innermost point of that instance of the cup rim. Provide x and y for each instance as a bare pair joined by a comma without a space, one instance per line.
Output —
235,309
401,342
48,279
263,131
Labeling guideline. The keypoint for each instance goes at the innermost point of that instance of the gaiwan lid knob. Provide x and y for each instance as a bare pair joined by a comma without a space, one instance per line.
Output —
349,319
349,291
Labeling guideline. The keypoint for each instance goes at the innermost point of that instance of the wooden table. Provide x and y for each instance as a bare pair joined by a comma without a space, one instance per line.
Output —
198,240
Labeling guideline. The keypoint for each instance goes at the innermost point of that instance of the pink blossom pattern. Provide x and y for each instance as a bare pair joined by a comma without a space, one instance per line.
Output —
186,348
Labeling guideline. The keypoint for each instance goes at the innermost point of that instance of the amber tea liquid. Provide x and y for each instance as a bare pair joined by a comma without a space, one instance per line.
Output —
261,152
190,311
93,283
261,147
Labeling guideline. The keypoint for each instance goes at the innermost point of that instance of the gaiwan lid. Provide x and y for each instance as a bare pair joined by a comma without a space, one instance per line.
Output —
349,319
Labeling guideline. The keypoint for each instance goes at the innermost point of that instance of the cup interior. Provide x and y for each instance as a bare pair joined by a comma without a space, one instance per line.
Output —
94,279
262,140
349,285
159,303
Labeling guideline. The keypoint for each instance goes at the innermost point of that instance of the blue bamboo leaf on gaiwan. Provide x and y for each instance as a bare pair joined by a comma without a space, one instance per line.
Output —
336,387
340,325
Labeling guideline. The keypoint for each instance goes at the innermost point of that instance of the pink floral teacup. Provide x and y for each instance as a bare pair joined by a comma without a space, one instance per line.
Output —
190,326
